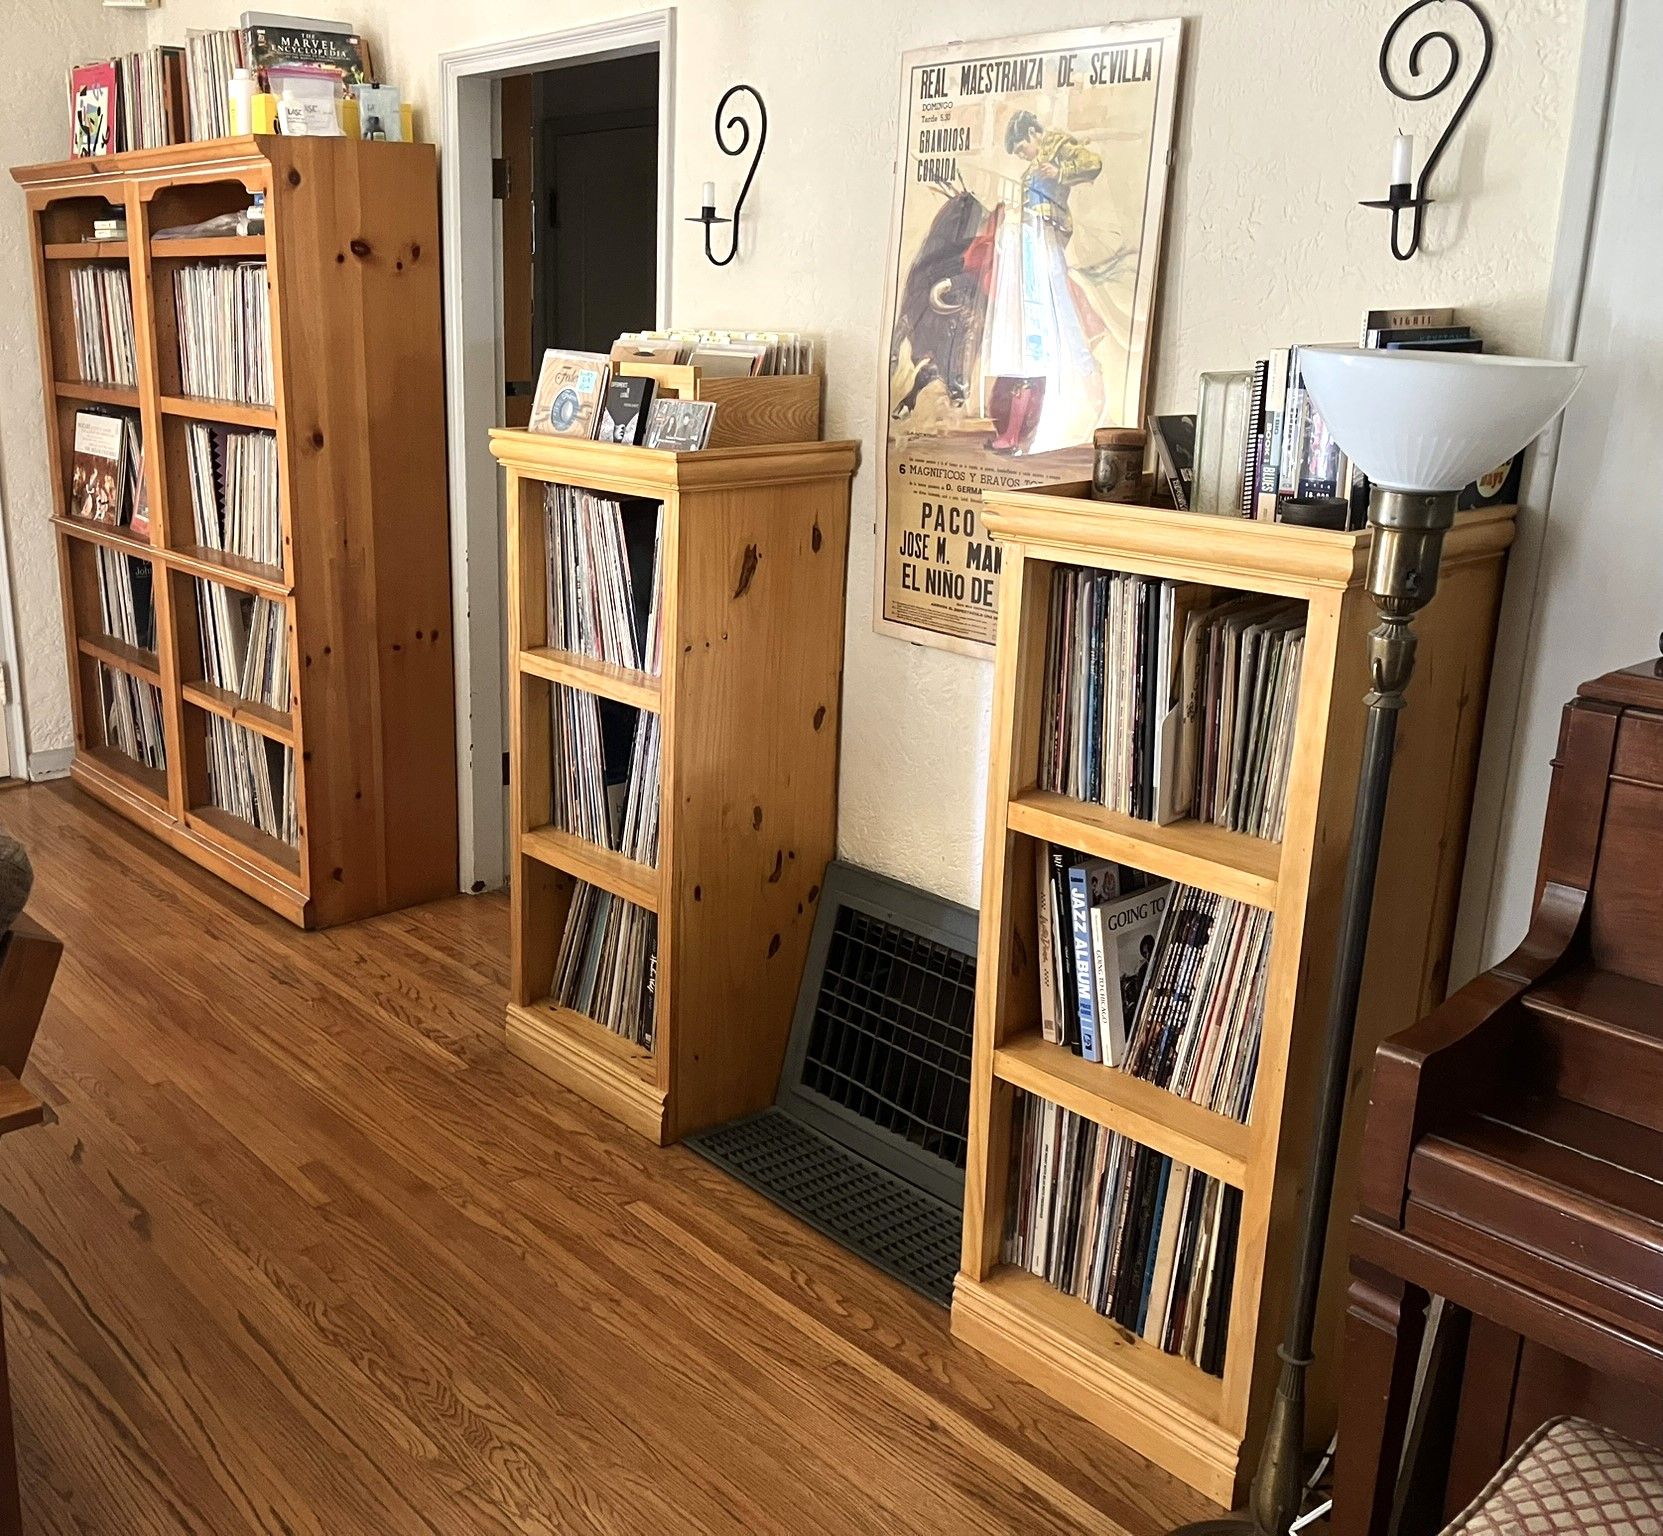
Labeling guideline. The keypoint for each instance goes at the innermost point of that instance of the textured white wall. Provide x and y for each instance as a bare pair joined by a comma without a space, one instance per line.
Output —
38,44
1283,125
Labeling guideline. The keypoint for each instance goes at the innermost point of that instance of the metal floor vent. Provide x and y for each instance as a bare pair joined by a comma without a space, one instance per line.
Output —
866,1137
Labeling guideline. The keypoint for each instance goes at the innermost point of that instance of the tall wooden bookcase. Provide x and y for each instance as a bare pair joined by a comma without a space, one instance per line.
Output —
754,548
1204,1428
351,252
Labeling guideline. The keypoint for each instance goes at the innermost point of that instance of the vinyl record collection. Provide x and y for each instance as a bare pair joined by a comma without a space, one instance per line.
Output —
245,644
253,779
605,772
1200,1014
133,716
106,347
1167,700
1164,981
224,331
607,963
125,598
150,90
599,603
234,491
210,60
1138,1237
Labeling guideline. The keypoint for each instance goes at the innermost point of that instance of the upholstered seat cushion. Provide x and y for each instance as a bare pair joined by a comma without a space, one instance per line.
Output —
1574,1477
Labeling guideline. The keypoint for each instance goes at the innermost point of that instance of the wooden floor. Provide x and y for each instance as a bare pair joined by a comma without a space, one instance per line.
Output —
302,1249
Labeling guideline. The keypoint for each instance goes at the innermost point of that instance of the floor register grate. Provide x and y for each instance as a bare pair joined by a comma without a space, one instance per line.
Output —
866,1138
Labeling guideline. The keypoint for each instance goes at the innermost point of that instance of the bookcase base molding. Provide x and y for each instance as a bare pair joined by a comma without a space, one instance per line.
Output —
1200,1424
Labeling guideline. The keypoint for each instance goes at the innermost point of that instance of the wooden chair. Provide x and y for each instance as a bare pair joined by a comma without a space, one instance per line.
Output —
1513,1157
29,958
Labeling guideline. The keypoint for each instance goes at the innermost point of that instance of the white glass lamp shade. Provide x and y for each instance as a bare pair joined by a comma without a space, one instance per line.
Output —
1433,421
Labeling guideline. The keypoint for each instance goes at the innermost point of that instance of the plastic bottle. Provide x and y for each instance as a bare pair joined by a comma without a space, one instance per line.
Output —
239,97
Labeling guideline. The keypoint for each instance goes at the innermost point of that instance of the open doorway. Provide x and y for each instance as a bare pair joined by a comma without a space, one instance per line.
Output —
557,204
579,178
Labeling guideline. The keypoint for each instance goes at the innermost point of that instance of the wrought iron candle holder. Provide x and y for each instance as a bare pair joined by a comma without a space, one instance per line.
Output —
740,128
1406,195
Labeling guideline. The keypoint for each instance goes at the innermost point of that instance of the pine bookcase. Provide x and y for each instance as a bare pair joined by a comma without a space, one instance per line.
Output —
755,544
1205,1428
351,251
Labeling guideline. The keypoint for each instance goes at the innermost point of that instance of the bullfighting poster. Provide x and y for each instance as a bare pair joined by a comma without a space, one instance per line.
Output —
1023,255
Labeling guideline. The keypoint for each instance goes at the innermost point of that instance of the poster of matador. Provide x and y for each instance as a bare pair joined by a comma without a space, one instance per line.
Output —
1024,248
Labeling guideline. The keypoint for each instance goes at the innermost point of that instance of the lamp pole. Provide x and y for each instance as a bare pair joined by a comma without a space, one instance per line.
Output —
1409,529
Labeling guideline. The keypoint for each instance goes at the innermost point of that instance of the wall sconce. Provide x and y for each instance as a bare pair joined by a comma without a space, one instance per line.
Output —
741,128
1406,192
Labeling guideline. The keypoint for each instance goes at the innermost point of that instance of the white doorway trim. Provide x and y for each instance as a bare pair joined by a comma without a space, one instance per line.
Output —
473,377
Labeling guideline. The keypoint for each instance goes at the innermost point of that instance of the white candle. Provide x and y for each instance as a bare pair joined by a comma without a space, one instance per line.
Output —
1403,159
710,195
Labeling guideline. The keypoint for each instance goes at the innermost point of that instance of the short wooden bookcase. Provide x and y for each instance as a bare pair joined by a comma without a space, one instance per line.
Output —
1205,1428
351,252
754,548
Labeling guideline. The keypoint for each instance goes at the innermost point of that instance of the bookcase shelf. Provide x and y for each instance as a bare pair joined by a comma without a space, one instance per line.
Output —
220,247
640,690
1114,1099
364,584
1204,1428
1198,853
752,551
115,653
85,250
230,413
96,394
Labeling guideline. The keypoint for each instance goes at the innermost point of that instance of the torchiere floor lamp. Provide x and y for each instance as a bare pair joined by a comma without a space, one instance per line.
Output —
1420,425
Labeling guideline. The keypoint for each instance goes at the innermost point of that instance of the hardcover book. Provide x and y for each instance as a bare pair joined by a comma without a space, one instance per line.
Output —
570,388
624,415
1174,439
680,426
92,108
343,55
97,473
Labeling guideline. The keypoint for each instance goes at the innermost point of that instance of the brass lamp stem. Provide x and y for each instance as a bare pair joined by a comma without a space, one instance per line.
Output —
1409,529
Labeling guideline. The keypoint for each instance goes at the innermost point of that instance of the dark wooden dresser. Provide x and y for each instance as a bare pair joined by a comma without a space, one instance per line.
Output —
1513,1158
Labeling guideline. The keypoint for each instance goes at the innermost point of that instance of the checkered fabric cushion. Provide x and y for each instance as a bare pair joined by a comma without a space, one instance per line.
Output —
1571,1476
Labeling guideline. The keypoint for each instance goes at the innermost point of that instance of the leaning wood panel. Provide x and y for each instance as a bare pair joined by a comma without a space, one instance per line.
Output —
353,285
1208,1435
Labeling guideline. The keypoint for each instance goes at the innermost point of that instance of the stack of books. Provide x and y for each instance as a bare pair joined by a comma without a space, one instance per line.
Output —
106,348
1261,441
107,483
234,504
603,578
133,717
224,322
605,780
126,599
1135,1235
607,963
245,644
1169,699
252,779
1200,1013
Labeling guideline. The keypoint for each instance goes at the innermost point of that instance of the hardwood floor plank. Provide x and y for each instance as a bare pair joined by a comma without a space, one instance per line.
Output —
302,1248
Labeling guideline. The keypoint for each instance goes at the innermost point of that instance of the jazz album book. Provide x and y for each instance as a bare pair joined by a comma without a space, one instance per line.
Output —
624,415
570,390
680,426
92,108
